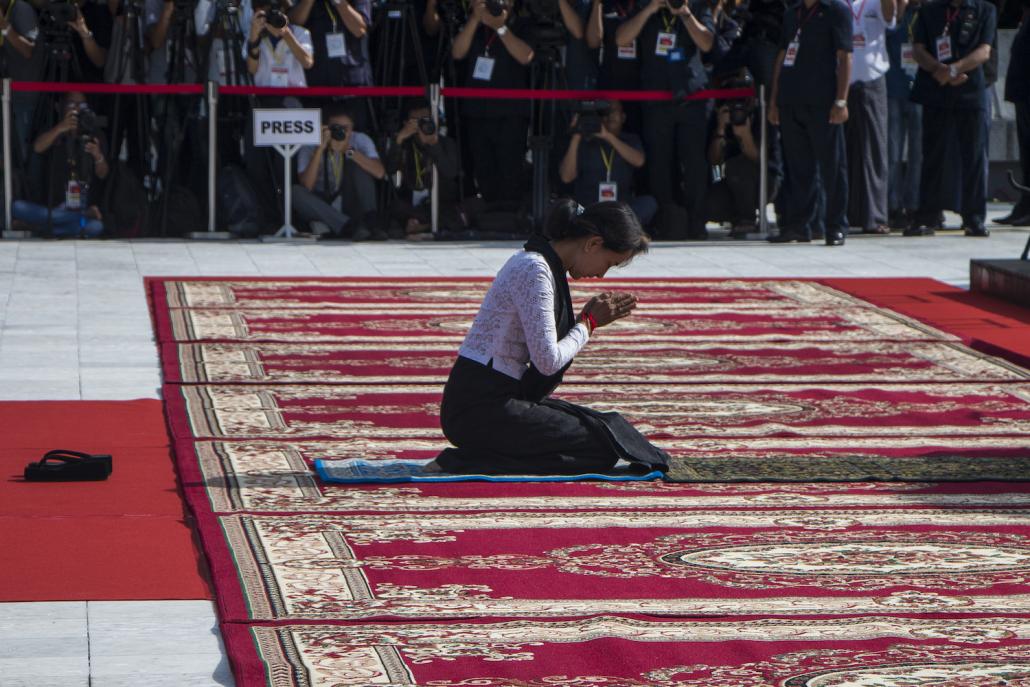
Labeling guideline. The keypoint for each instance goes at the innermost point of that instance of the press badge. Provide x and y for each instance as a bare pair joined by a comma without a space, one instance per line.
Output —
607,190
943,48
484,69
73,195
908,59
335,45
666,43
628,52
280,77
792,54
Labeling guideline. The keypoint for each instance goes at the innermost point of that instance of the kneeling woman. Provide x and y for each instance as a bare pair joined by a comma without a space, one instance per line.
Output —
496,408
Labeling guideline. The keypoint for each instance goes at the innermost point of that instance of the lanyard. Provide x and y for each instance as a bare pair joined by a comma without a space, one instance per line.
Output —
489,42
278,56
336,161
802,22
861,10
608,161
419,170
331,12
668,20
911,23
949,18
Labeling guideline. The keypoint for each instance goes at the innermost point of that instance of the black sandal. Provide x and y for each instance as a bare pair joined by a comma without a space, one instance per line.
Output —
68,466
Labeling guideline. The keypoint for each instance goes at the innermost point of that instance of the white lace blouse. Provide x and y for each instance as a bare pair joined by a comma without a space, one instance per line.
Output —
515,324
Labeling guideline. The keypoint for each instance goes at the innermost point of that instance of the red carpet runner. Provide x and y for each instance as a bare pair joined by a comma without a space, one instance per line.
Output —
602,584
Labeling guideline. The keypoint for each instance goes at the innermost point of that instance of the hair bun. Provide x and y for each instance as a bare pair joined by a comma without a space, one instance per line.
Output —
559,222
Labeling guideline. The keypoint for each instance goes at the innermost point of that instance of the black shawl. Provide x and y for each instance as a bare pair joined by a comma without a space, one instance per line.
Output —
537,386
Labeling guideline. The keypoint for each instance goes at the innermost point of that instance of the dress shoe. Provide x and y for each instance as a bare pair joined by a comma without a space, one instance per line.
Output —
1022,220
835,238
789,237
360,233
918,229
899,219
977,230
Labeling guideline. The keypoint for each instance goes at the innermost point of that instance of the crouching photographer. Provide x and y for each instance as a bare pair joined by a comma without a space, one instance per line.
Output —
71,156
414,151
734,146
337,189
601,159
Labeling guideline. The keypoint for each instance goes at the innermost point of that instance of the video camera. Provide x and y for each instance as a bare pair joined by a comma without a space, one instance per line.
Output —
547,30
57,13
591,116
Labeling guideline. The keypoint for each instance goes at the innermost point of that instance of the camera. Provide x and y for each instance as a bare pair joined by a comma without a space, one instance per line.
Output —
496,7
90,124
275,18
58,14
591,116
740,111
427,126
547,32
338,132
675,4
740,108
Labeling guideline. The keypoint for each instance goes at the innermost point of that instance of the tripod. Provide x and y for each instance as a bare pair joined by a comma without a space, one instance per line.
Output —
445,60
130,64
547,73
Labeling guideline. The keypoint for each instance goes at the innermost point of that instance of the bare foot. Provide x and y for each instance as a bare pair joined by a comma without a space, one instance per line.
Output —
432,466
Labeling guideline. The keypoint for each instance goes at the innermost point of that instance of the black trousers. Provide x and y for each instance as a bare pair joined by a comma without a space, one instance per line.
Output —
1023,135
735,197
674,136
965,128
498,149
816,160
498,429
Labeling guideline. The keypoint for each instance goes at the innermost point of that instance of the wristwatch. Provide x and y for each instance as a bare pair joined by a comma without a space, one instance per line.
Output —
349,153
841,104
6,30
952,72
501,31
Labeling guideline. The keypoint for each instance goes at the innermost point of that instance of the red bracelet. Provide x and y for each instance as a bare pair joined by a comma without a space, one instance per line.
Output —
590,321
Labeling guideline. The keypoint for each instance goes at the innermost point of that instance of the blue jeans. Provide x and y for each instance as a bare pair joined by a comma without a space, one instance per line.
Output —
65,223
904,123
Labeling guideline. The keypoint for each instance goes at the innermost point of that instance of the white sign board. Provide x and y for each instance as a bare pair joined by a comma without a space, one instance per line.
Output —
281,127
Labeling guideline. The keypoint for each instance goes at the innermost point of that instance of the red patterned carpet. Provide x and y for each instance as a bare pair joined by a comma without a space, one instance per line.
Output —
717,580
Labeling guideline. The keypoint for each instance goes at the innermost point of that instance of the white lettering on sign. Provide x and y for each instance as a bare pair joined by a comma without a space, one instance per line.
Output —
287,127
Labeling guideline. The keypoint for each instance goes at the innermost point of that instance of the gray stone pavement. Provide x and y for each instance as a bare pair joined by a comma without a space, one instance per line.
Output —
74,325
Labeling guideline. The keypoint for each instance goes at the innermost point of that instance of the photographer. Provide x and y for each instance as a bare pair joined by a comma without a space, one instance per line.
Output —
278,53
734,147
88,25
952,42
342,168
18,33
601,160
414,151
72,155
671,36
496,57
339,32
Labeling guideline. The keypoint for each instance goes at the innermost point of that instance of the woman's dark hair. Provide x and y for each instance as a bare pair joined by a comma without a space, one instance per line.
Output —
614,222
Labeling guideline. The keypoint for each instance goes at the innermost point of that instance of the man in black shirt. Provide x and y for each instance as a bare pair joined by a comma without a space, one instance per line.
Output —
416,149
952,40
669,43
601,166
495,56
1017,91
339,31
91,38
810,105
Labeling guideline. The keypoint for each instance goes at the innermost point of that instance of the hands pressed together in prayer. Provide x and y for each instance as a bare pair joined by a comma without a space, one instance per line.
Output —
610,306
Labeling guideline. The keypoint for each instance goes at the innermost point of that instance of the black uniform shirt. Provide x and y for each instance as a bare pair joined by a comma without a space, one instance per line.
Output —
826,28
507,72
681,70
973,26
619,73
1017,79
354,68
591,165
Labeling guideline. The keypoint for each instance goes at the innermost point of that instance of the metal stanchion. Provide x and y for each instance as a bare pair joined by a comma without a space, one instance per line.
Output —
434,194
8,167
211,97
763,167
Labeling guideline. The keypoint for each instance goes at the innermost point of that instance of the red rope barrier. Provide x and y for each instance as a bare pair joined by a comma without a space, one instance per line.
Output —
381,91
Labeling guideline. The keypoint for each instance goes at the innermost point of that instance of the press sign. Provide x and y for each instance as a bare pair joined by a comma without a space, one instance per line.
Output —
287,127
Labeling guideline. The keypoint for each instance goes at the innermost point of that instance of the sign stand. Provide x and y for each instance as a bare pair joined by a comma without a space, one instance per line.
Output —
287,130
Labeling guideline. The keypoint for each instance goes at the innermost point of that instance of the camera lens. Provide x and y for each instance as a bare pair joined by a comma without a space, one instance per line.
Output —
675,4
338,132
426,126
276,19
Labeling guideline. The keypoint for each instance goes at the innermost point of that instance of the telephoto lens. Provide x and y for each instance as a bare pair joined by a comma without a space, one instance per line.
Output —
276,19
427,126
338,132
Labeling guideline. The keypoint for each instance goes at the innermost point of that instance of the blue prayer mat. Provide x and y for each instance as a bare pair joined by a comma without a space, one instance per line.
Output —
392,471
